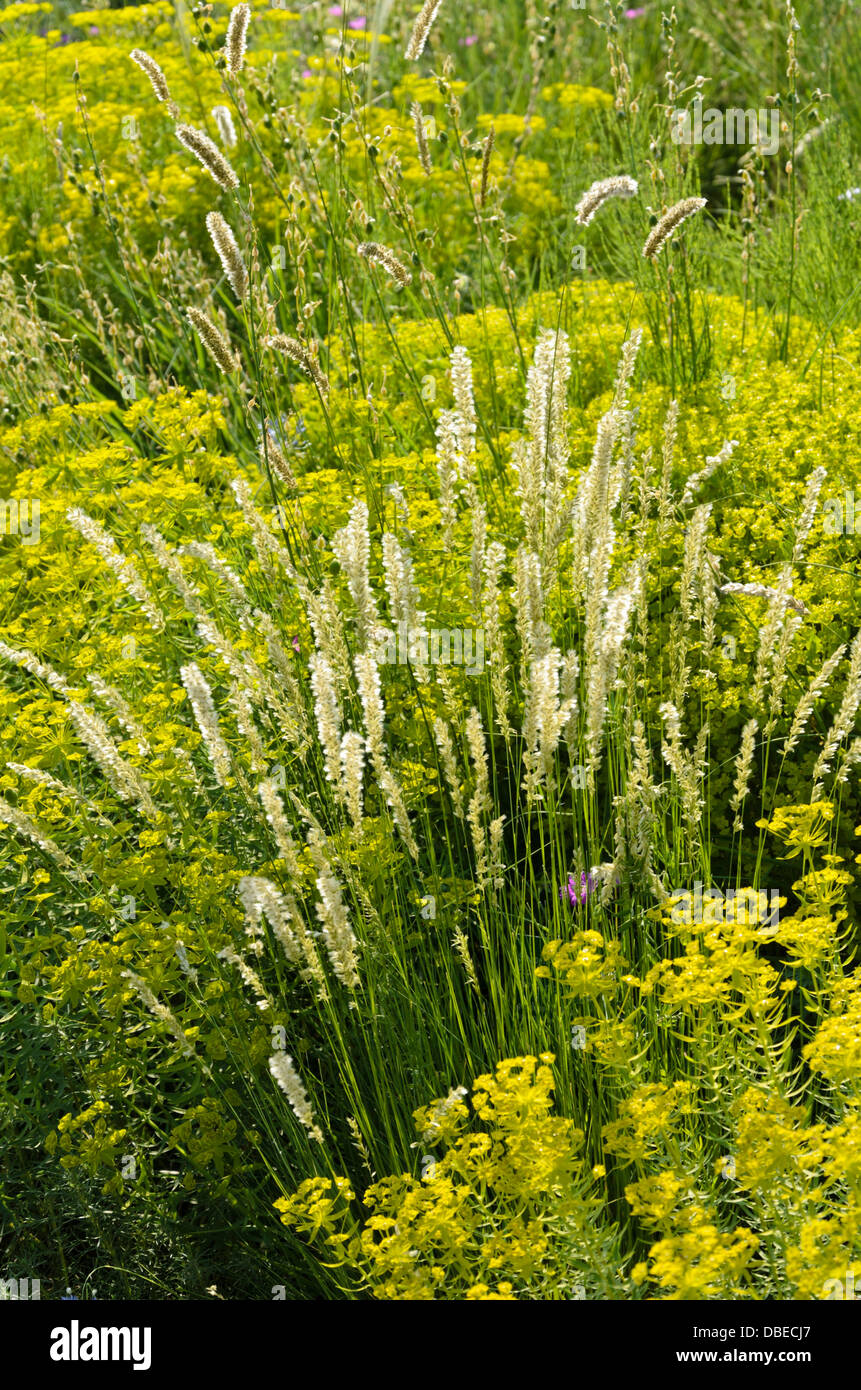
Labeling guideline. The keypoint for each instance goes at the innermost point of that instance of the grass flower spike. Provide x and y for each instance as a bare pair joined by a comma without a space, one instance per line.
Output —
621,186
213,340
298,353
234,43
228,253
208,155
156,77
226,129
288,1079
666,227
422,27
381,255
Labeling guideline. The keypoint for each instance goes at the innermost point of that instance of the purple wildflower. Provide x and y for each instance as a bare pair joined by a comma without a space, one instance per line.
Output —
635,14
469,40
578,895
358,23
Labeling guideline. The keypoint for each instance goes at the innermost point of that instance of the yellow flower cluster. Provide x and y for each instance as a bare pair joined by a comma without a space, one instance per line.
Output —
587,965
702,1262
497,1215
87,1140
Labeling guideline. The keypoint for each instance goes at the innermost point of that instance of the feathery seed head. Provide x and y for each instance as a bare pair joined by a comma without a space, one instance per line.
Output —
274,809
125,780
234,43
464,401
422,27
207,153
226,129
285,1074
668,224
124,569
381,255
371,696
328,712
153,72
601,192
696,480
808,510
337,933
213,340
28,662
743,766
298,353
352,766
765,591
352,547
421,138
202,704
9,815
228,252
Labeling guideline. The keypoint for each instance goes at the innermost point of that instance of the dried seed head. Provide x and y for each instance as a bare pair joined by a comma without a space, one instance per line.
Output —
209,155
234,43
696,480
485,166
601,192
28,662
421,138
200,697
381,255
214,341
764,591
672,219
228,253
226,130
287,1077
125,569
153,72
273,452
9,815
422,27
743,766
807,703
298,353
